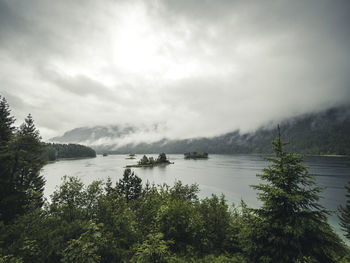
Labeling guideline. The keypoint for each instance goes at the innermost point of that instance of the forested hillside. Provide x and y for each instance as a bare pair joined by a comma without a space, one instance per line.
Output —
54,151
323,133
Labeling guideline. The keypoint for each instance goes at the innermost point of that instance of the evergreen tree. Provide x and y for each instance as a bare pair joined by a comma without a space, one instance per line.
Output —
27,185
130,185
6,158
162,158
345,213
291,225
6,122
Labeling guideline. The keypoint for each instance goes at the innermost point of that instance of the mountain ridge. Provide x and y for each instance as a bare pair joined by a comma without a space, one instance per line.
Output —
325,132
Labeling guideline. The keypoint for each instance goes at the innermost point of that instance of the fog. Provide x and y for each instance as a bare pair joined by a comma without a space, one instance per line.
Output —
199,68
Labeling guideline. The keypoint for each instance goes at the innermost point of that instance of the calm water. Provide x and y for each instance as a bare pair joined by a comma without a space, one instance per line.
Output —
227,174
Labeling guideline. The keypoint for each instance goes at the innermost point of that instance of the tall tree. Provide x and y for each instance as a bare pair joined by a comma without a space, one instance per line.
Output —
30,160
24,184
6,122
345,213
130,185
6,157
291,225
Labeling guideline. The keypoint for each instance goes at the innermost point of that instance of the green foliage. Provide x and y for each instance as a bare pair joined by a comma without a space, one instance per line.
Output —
150,161
134,223
130,185
216,222
144,160
196,155
54,151
85,248
154,249
20,164
179,222
222,259
6,122
6,159
290,225
162,158
72,201
345,213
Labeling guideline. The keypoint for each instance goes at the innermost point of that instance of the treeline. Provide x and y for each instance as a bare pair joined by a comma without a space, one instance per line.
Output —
54,151
132,222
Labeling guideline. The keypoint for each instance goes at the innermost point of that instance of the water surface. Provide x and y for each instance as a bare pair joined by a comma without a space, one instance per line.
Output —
230,175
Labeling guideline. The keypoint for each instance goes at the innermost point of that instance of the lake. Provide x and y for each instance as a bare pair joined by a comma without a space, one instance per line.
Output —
230,175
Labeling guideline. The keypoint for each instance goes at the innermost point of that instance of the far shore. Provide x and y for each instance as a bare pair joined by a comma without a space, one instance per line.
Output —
320,155
70,159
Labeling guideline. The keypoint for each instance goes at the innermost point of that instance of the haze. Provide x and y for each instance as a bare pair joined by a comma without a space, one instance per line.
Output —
195,68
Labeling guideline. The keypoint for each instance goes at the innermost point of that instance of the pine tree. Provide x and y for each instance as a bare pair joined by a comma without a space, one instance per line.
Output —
21,183
6,157
345,213
6,122
29,159
291,225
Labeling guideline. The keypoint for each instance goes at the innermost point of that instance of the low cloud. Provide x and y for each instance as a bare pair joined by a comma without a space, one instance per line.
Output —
202,68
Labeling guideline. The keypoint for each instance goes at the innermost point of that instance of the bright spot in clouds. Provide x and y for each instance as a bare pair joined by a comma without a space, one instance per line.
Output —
199,68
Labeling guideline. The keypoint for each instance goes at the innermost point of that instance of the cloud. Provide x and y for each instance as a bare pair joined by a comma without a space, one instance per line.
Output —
201,67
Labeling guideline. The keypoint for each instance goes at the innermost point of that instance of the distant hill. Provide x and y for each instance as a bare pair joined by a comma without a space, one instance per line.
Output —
326,132
55,151
94,134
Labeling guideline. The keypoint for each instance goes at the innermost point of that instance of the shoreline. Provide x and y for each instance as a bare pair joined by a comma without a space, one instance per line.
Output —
316,155
69,159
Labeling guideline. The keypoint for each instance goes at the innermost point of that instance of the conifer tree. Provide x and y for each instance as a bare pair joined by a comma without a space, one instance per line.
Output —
22,158
345,213
29,161
130,185
6,157
291,225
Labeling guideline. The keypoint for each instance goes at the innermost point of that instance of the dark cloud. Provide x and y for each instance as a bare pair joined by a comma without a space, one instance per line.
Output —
200,67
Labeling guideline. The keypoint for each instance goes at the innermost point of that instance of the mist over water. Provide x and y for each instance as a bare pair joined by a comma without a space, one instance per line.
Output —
230,175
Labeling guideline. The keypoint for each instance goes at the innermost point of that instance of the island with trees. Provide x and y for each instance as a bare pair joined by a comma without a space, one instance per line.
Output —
131,156
196,155
151,162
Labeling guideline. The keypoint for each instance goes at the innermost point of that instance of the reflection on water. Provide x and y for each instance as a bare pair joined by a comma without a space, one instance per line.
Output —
228,174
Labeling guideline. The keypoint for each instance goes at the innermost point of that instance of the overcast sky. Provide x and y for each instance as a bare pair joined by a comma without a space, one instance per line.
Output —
198,68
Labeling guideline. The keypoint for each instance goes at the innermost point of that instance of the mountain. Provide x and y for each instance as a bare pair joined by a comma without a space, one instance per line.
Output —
325,132
91,135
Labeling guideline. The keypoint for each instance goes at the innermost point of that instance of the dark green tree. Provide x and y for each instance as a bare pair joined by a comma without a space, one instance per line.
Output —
162,158
130,185
345,213
6,122
21,181
29,160
144,160
6,159
216,218
291,225
153,249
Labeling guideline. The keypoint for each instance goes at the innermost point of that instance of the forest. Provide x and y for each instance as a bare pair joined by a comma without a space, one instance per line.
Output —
55,151
135,221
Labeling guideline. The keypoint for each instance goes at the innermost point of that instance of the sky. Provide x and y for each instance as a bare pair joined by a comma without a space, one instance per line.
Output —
195,68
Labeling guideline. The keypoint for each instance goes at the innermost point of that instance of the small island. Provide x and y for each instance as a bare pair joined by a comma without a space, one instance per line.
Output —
196,155
131,156
151,162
